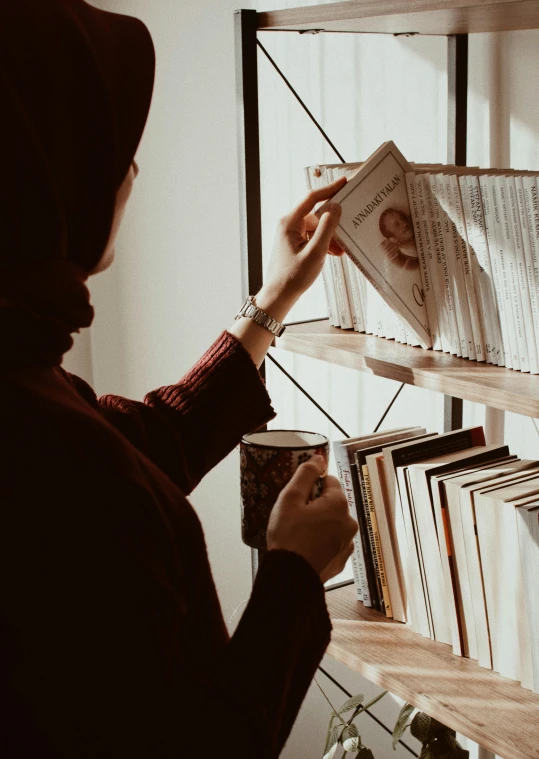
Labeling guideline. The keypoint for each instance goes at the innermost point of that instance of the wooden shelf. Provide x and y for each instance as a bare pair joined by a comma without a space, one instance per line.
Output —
406,16
487,708
472,381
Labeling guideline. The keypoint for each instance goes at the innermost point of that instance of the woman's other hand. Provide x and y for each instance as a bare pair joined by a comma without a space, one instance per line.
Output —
299,252
321,530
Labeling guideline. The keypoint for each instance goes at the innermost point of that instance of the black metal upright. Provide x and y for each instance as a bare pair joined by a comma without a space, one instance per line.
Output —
245,26
457,98
457,122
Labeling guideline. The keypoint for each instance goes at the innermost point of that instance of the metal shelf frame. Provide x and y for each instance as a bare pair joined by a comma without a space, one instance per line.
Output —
246,48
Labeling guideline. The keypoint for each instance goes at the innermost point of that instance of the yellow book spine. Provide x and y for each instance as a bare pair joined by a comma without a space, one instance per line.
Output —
378,556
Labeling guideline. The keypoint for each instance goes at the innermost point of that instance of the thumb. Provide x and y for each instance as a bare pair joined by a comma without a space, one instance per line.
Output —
305,476
326,229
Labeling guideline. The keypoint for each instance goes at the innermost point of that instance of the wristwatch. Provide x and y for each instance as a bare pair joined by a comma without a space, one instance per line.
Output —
251,311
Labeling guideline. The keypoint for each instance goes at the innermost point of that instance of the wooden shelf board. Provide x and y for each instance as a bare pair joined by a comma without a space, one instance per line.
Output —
472,381
489,709
402,16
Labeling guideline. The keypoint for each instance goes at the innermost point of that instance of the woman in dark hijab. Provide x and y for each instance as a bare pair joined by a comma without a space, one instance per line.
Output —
112,641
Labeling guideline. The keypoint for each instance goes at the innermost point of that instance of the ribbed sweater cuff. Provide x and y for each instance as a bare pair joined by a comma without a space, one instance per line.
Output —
221,399
228,380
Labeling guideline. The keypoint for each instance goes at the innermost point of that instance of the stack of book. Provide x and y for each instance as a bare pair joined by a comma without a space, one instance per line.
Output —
448,541
443,257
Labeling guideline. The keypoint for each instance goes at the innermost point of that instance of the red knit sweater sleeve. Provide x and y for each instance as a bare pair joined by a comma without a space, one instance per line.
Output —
187,428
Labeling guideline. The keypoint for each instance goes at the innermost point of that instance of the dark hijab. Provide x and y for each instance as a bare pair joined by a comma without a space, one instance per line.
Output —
75,90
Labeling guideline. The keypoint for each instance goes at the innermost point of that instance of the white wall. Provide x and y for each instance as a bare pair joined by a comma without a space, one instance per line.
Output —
175,284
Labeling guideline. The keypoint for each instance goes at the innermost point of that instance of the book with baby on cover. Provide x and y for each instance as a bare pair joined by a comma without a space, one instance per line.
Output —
376,232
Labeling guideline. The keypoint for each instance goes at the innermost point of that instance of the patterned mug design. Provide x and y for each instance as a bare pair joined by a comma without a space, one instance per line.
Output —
267,462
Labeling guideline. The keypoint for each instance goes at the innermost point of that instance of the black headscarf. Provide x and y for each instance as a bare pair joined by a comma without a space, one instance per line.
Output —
75,88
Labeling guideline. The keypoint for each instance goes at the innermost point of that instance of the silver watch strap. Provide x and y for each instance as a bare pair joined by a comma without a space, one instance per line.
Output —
251,311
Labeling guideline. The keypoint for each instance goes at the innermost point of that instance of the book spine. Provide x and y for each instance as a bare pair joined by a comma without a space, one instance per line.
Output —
362,289
378,305
532,213
448,567
456,267
353,286
466,512
364,535
377,589
389,546
358,562
343,300
422,505
445,293
505,290
528,259
414,188
469,267
376,545
346,266
408,548
475,228
511,286
528,536
490,229
388,318
444,340
521,277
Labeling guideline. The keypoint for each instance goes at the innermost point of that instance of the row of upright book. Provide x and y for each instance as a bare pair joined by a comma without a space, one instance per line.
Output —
443,257
448,541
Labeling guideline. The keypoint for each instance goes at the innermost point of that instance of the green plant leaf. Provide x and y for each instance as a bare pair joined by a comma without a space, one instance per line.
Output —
332,742
350,738
328,733
402,723
352,703
374,701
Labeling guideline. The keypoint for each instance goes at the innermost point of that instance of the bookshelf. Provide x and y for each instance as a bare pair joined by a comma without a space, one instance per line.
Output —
497,713
493,711
471,381
440,17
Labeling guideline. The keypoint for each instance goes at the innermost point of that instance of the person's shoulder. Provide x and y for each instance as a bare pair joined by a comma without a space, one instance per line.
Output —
82,387
57,429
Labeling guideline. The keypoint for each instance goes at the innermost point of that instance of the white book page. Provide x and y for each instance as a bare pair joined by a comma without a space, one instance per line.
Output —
509,265
505,289
428,293
477,237
445,293
528,258
528,534
532,212
469,267
456,272
490,229
444,332
358,562
521,276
